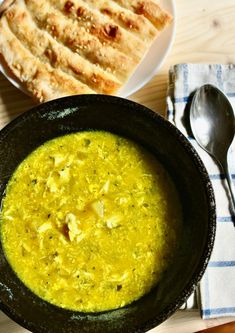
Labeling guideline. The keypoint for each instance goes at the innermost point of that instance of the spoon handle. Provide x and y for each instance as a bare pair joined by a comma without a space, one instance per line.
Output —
229,181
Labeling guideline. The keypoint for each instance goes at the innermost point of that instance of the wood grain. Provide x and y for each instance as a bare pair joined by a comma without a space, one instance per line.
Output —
205,34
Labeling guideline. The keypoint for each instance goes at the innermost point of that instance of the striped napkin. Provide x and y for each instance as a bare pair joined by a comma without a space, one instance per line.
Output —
216,292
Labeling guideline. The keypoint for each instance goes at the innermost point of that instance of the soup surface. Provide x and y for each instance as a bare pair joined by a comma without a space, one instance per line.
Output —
90,221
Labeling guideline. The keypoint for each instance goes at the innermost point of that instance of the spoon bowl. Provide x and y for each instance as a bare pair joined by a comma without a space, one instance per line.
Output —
213,125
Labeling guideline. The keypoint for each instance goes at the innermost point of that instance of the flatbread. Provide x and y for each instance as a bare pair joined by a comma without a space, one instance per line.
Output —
48,50
151,10
58,47
42,80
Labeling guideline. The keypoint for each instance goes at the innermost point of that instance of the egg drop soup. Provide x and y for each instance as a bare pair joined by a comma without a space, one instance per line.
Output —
90,221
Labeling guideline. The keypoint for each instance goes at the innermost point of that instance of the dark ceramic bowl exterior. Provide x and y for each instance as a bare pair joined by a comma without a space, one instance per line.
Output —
126,118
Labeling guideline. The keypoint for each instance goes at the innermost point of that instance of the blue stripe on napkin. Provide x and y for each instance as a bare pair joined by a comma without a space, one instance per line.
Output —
221,264
217,312
222,219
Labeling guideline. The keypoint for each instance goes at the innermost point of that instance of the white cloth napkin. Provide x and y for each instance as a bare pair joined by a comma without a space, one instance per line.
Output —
216,291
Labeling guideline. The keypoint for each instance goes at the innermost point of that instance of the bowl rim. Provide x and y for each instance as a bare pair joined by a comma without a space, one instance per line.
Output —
74,101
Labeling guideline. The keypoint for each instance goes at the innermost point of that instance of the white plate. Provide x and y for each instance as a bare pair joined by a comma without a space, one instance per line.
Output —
146,69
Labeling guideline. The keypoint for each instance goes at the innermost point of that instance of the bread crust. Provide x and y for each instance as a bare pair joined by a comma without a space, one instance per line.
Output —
151,10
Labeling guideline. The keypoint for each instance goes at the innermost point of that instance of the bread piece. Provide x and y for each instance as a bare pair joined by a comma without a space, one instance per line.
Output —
79,38
149,9
133,23
95,16
64,47
41,80
47,49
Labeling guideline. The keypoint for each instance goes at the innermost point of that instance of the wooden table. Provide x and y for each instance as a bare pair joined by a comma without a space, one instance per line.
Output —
205,33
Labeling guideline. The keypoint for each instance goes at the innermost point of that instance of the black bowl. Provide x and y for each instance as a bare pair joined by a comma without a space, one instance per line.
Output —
126,118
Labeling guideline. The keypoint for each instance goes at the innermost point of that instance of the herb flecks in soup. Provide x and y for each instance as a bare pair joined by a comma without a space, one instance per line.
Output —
90,221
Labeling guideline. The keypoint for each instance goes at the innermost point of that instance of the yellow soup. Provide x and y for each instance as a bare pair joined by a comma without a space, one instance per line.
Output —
90,221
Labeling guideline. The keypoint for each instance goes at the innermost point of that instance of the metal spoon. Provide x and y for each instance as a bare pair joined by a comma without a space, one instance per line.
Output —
213,125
